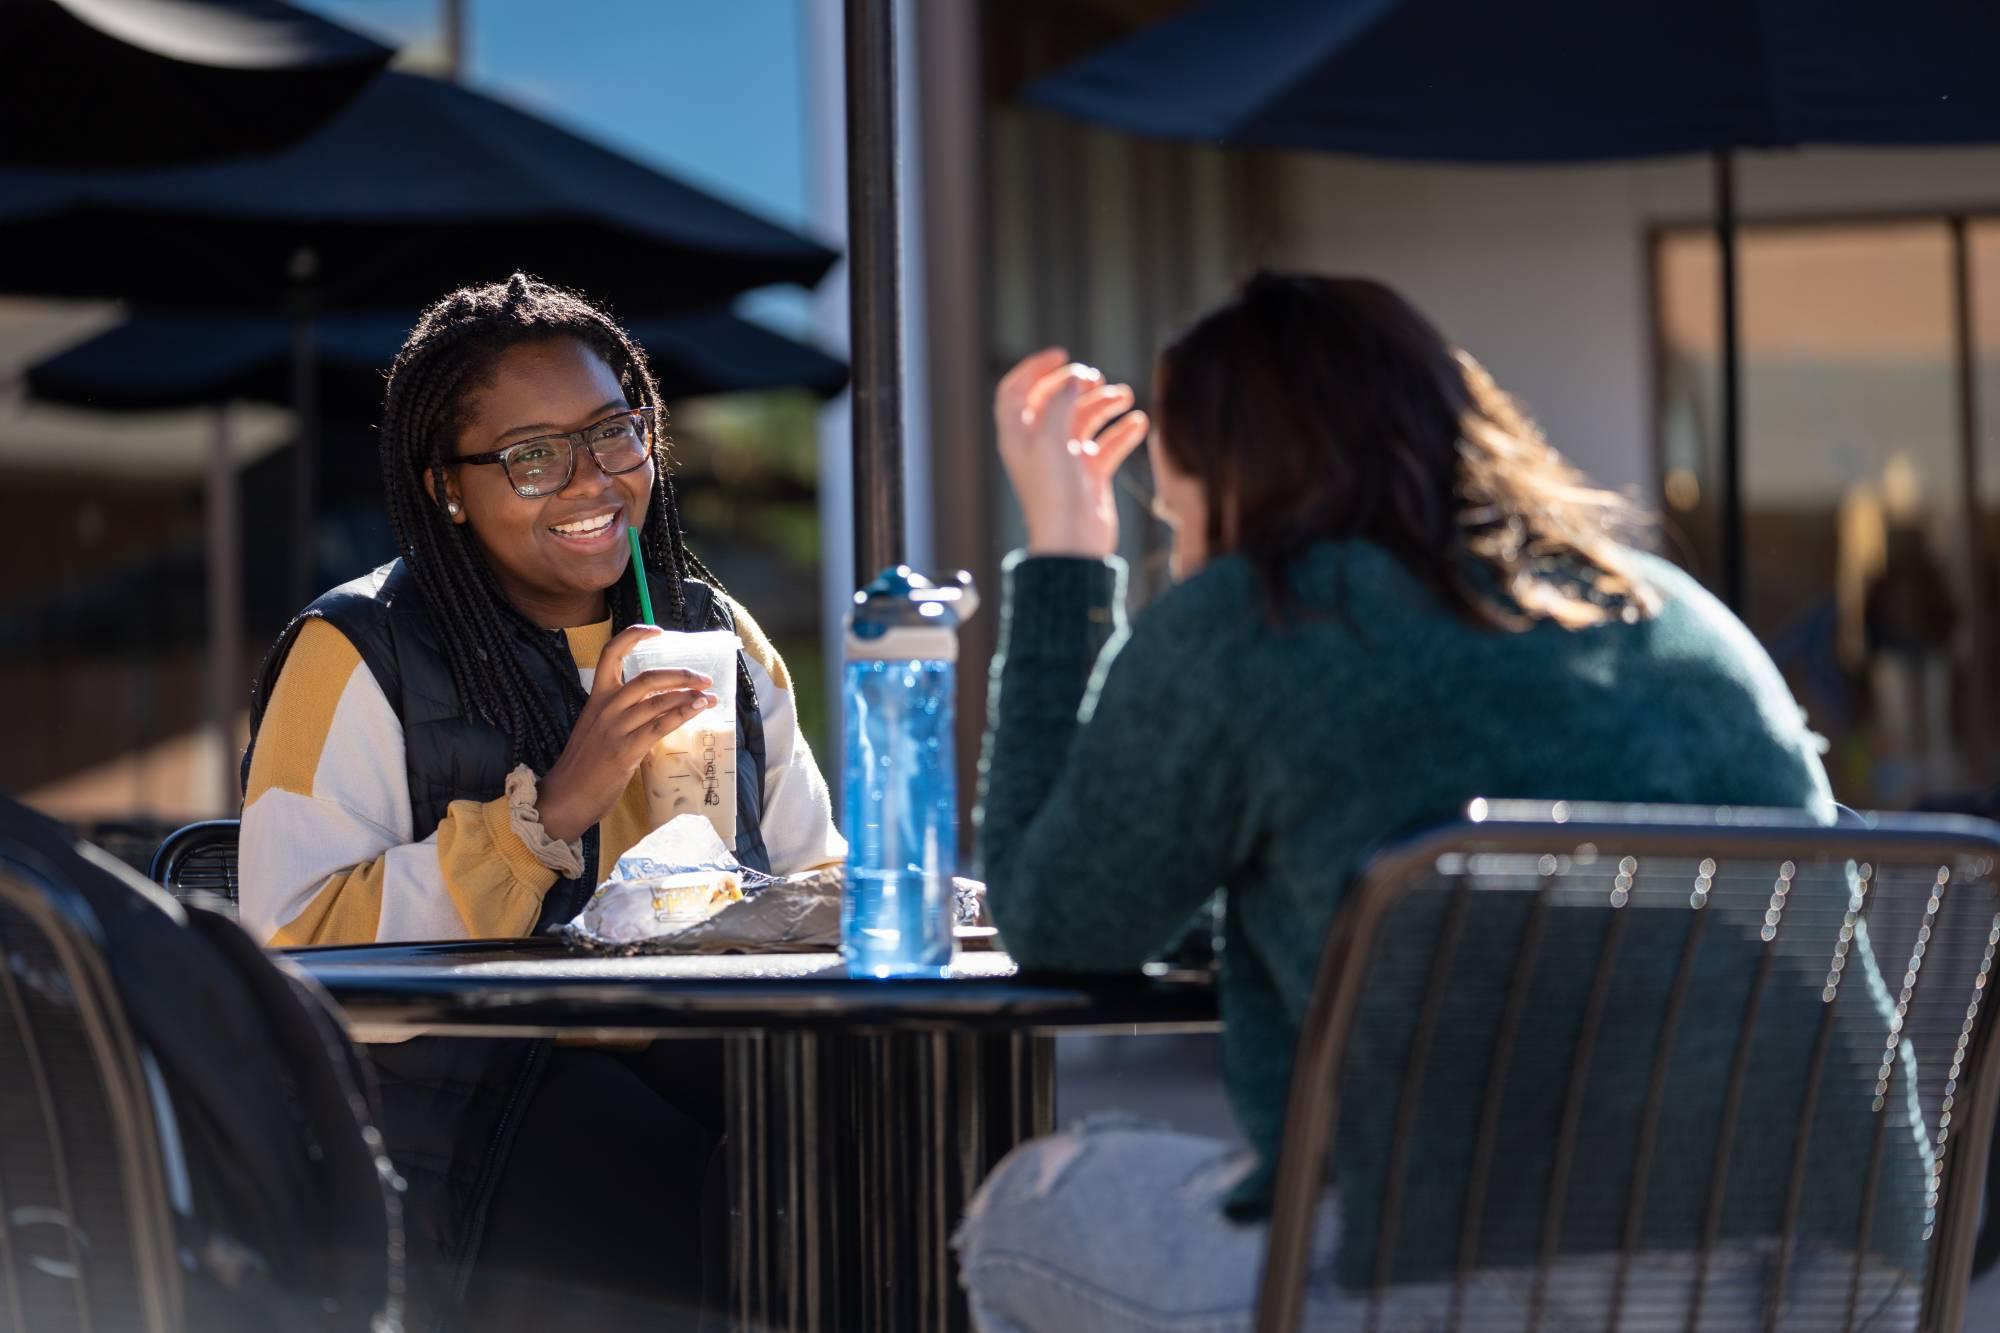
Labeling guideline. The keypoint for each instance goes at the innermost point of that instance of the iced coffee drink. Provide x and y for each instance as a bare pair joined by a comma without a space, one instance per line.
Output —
692,770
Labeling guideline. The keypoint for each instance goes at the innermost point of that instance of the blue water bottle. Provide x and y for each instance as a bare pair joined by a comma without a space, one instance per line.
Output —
901,792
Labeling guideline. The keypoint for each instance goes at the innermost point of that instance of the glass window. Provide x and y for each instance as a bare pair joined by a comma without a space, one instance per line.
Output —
1857,559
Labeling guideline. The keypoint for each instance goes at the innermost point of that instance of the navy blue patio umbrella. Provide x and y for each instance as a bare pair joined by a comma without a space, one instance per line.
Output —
127,83
155,362
1543,81
416,187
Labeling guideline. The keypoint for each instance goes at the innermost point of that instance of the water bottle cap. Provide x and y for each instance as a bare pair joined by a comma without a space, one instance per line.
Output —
904,596
897,581
902,614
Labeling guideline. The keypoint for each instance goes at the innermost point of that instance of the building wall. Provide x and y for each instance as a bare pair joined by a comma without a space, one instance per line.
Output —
1544,273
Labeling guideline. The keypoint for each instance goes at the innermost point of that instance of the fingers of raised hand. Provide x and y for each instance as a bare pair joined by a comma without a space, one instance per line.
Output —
1012,393
1093,411
1049,398
1118,441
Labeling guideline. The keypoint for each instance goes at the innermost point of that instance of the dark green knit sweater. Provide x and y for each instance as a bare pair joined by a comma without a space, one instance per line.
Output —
1130,772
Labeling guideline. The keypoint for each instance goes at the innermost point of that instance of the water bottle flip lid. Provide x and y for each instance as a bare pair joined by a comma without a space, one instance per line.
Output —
903,614
895,594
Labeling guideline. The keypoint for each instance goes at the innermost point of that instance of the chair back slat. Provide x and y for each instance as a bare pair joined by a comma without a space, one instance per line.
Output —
1649,1068
1649,1124
1885,1083
1572,1115
1869,1199
1725,1140
1788,1238
82,1189
1413,1082
1474,1207
34,1177
197,863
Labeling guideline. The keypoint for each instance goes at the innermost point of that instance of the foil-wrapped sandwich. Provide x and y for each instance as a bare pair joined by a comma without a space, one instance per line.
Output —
680,891
629,910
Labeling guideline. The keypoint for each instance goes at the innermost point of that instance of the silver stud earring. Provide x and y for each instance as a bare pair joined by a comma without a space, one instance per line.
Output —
452,509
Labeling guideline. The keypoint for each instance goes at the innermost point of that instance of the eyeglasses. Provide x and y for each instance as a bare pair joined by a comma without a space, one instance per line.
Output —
544,465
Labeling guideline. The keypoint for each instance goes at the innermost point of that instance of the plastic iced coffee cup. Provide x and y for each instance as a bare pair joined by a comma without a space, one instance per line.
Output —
692,769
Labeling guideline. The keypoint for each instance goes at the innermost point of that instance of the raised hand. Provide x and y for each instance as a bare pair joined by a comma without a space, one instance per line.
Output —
1063,434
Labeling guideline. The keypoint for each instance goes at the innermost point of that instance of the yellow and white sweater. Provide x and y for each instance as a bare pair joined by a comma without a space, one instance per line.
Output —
326,853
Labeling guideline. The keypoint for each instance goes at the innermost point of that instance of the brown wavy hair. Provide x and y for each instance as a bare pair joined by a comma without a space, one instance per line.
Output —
1317,409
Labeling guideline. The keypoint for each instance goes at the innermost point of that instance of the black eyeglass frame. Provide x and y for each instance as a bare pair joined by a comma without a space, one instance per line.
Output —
575,439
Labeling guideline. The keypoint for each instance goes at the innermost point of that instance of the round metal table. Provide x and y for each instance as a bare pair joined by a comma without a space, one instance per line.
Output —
862,1114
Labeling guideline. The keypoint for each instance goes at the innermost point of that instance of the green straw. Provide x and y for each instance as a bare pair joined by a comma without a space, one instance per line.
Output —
639,577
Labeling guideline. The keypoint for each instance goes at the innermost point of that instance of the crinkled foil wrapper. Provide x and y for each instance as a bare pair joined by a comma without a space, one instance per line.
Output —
797,914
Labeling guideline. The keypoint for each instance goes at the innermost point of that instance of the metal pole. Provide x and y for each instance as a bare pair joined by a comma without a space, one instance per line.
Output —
952,239
874,285
1978,710
826,118
454,41
1732,394
305,448
226,689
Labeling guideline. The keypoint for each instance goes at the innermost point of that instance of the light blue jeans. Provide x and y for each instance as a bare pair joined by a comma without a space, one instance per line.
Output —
1116,1227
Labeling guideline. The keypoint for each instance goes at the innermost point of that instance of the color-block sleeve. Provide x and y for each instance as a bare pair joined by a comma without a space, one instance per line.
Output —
326,854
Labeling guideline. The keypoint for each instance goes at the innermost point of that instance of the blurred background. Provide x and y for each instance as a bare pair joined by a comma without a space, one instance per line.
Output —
160,483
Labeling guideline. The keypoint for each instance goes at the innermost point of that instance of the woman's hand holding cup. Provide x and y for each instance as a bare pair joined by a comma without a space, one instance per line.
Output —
1063,434
618,725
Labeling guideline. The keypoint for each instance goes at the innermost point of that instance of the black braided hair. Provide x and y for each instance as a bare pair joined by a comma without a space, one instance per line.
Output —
451,351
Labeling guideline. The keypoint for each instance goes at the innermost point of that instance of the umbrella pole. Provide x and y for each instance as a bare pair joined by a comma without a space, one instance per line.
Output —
1978,699
305,450
874,284
1731,462
454,40
225,611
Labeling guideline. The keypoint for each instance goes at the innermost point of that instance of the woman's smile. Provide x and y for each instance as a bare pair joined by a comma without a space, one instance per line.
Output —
598,529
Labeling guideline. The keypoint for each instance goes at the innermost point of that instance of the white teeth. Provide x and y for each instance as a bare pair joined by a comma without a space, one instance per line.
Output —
585,527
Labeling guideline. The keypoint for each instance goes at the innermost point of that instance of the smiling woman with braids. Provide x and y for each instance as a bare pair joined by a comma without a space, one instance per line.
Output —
443,749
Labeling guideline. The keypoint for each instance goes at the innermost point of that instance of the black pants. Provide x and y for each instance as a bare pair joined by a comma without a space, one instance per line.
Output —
612,1212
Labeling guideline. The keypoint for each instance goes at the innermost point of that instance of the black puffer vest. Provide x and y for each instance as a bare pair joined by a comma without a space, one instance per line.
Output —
450,1105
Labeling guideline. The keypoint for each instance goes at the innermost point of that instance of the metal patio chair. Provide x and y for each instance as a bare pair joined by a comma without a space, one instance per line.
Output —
197,862
1783,1100
87,1180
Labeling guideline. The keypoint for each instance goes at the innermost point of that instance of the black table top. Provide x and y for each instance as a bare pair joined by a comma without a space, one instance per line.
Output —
543,988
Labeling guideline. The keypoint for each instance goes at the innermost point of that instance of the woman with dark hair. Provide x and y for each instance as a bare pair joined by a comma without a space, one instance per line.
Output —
1393,596
444,749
